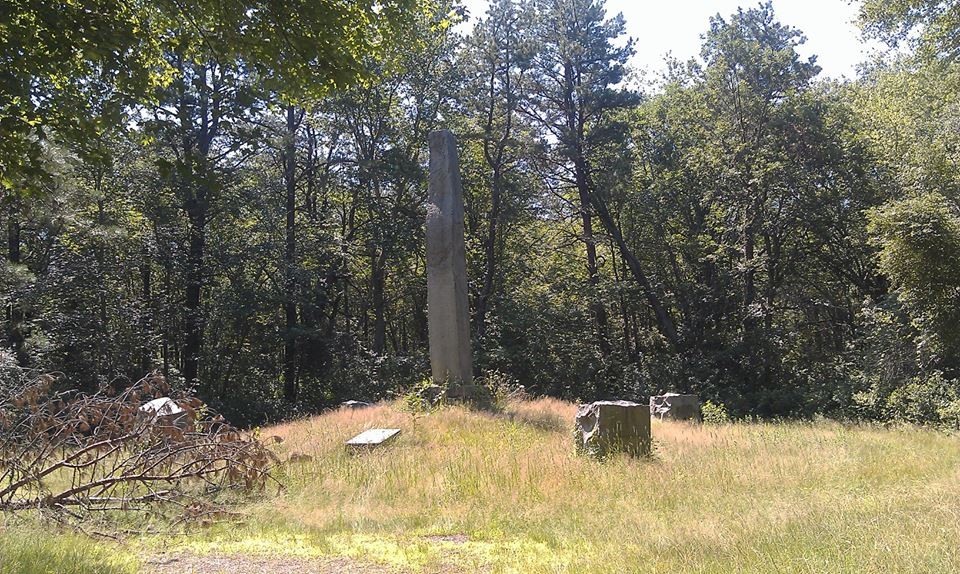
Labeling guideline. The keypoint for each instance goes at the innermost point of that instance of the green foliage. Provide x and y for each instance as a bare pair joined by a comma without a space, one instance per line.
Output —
501,386
71,67
74,66
949,413
908,114
928,26
919,238
423,397
744,211
925,399
714,413
779,244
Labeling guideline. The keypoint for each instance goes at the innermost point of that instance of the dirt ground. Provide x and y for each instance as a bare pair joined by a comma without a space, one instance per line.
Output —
181,563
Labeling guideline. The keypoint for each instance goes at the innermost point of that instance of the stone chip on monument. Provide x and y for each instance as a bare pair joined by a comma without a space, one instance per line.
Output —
607,427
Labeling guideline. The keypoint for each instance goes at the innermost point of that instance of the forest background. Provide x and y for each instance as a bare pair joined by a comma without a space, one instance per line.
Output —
232,193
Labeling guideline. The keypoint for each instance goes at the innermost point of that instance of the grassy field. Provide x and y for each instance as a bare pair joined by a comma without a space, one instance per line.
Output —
468,492
32,551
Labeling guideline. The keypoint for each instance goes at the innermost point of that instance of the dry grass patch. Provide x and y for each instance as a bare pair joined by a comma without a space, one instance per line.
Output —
506,493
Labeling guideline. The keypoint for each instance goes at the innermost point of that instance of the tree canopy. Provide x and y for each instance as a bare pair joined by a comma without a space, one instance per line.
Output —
74,67
232,194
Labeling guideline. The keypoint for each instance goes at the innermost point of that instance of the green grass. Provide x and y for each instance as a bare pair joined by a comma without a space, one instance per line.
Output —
28,550
471,492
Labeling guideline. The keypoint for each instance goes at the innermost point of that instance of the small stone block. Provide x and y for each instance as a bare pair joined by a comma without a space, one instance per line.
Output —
674,406
354,405
606,427
372,437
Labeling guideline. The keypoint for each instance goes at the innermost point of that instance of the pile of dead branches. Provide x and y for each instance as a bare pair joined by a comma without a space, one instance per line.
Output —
74,454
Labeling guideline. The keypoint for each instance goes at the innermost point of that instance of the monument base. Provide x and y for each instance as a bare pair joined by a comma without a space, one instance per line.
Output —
475,396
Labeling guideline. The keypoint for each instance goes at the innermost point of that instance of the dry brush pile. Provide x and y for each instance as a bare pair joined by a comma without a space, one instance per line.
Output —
71,454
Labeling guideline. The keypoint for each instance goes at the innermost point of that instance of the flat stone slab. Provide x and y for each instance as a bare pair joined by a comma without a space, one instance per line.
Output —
372,437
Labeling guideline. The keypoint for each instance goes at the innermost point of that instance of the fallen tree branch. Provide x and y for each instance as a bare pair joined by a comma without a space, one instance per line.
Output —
105,451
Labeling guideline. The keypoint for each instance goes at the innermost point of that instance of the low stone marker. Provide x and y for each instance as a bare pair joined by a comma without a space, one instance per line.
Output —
354,405
607,427
165,412
674,406
371,438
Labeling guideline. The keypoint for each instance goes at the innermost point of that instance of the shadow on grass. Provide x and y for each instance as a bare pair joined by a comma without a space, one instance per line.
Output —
542,414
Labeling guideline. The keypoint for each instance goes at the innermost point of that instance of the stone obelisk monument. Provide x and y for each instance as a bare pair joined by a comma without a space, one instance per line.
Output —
448,314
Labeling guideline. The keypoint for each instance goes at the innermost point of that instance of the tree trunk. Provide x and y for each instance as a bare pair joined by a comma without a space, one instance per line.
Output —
146,351
490,252
193,312
624,315
102,345
378,279
575,125
749,287
290,260
13,232
198,182
593,270
168,328
15,334
664,320
495,158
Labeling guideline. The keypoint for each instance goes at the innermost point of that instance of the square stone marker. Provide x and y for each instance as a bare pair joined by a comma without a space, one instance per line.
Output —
372,437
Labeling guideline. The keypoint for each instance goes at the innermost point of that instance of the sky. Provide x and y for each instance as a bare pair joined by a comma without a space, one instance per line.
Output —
675,26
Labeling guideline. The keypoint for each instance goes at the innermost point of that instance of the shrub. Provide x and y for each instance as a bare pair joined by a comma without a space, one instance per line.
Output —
423,397
950,414
502,387
714,413
925,399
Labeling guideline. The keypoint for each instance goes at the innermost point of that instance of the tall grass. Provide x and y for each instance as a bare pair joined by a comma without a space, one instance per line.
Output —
34,551
479,492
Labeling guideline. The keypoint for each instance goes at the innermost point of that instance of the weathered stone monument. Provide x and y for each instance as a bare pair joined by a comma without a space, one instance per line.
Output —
607,427
674,406
448,315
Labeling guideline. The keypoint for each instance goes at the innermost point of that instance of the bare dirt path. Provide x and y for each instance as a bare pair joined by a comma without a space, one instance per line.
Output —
182,563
